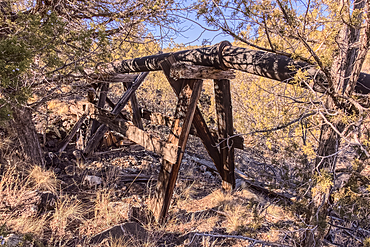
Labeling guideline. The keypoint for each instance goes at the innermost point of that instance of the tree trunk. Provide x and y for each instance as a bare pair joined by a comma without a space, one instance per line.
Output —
22,124
325,163
345,71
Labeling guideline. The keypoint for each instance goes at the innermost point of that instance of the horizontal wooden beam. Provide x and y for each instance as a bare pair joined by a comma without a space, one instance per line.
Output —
256,62
183,70
166,150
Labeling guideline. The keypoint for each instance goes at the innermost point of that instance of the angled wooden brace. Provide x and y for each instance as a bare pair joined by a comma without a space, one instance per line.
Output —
189,93
95,139
136,116
199,123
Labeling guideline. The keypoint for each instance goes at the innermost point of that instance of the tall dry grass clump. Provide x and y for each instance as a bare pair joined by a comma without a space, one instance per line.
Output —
68,211
42,179
105,214
19,204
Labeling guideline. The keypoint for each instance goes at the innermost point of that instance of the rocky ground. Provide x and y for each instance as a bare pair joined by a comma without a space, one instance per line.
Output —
105,199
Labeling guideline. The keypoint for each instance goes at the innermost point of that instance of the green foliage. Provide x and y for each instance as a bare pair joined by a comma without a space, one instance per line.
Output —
39,44
323,182
29,35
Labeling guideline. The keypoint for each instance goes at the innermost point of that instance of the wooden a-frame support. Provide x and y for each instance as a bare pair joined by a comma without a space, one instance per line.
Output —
188,92
223,159
187,86
225,130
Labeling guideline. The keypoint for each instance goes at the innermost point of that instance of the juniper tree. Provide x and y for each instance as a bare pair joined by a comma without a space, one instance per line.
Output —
45,43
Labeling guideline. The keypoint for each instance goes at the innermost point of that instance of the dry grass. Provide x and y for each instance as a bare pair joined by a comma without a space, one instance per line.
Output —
67,210
17,204
42,179
131,242
12,188
25,224
58,107
5,143
235,216
242,212
105,214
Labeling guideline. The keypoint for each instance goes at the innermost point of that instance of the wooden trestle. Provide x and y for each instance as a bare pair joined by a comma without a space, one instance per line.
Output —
186,81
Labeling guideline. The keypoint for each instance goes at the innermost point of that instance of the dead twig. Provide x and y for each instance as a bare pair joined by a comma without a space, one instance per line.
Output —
254,241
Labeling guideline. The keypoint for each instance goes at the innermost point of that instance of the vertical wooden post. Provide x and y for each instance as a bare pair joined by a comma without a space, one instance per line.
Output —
101,102
225,130
136,116
199,123
187,103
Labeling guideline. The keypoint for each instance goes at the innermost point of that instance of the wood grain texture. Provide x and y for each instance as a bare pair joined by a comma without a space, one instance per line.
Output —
95,139
133,133
225,130
181,70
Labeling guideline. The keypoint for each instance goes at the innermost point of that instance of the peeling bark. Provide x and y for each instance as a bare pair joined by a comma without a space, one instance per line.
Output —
23,125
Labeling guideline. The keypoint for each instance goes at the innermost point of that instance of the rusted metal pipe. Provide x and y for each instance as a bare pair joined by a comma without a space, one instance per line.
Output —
225,56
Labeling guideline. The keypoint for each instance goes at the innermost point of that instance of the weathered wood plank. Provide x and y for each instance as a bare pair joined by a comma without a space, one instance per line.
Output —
101,102
167,150
111,104
160,119
197,88
225,130
94,141
166,167
182,70
199,123
63,144
136,118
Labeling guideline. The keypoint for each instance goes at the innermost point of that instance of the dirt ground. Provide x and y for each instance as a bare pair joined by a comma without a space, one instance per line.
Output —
106,199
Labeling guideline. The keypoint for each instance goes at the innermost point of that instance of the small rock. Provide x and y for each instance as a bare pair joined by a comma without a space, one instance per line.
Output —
13,240
208,174
92,180
125,231
203,168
